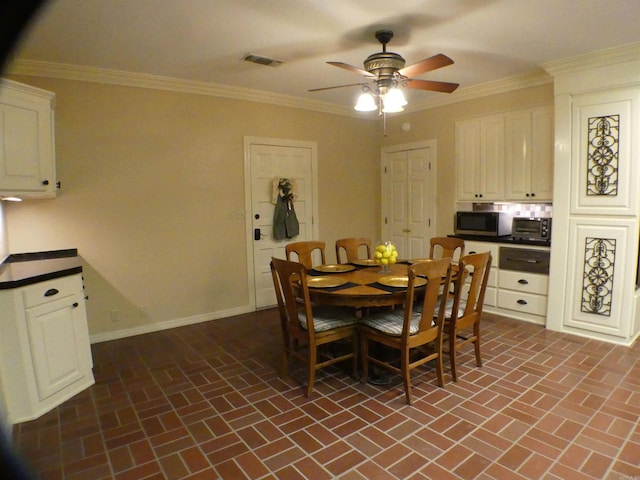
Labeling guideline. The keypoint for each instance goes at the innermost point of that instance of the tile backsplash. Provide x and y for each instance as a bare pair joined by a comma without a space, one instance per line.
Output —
516,209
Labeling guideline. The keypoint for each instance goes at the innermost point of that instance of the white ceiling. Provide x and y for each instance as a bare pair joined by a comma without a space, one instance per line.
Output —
206,40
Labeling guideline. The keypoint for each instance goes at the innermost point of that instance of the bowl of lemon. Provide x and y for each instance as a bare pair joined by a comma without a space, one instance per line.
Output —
385,254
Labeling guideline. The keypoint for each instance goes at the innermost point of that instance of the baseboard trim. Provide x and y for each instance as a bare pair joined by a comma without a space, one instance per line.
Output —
167,324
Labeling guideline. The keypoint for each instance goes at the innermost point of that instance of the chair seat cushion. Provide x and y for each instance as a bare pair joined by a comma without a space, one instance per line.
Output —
391,322
448,312
326,318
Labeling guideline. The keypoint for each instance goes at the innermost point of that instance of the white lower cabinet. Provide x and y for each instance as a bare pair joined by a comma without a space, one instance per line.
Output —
523,292
491,295
511,293
44,349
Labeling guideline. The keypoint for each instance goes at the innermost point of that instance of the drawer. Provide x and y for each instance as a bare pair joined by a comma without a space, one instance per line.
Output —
524,282
479,247
51,290
522,302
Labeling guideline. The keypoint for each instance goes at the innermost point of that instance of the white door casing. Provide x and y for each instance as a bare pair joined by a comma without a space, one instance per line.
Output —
408,197
266,159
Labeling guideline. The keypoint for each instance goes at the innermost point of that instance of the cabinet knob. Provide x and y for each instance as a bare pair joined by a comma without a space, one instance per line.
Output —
45,182
527,195
522,302
51,292
522,281
533,194
75,304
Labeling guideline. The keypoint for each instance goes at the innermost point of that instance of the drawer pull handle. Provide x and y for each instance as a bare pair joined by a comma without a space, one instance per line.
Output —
525,260
522,302
75,305
51,292
522,281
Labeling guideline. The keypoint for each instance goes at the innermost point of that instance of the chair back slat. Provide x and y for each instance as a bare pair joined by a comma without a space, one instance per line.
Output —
442,247
304,251
351,247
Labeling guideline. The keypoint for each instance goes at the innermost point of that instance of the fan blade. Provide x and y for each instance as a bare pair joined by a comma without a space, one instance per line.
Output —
444,87
426,65
351,69
336,86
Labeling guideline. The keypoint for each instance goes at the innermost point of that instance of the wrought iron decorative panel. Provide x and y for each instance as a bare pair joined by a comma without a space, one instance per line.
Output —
602,155
597,283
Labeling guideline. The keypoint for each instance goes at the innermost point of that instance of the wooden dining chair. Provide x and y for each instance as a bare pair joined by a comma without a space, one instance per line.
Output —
352,248
443,247
306,328
416,337
304,252
464,309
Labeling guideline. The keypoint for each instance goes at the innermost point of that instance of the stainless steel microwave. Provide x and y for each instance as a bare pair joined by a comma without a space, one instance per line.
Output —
531,228
484,224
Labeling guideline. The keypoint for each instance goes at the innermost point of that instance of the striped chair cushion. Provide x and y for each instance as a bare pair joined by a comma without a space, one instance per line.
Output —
391,322
448,312
326,318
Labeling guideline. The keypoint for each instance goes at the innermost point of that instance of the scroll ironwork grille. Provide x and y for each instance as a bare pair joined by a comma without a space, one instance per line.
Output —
602,155
597,283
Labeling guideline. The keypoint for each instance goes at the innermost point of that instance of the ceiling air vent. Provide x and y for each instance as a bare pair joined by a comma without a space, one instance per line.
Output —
270,62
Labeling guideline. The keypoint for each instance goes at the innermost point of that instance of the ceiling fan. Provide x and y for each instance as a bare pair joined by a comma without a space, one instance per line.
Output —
387,71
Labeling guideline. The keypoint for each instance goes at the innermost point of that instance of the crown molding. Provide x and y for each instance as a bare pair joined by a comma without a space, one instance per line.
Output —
504,85
609,56
142,80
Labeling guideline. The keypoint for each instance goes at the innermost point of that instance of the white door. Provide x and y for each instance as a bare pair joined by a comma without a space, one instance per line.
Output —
266,159
408,197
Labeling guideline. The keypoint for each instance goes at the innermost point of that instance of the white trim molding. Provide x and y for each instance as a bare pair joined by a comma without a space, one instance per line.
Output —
142,80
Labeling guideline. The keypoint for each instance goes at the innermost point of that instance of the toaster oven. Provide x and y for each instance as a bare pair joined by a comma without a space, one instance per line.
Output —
528,228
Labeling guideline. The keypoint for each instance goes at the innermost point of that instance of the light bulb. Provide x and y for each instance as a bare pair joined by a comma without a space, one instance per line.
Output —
366,103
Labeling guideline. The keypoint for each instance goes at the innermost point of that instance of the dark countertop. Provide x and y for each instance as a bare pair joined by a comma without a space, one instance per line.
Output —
22,269
505,239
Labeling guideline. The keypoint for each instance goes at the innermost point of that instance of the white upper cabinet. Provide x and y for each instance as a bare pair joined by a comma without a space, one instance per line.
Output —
480,158
27,154
529,155
506,157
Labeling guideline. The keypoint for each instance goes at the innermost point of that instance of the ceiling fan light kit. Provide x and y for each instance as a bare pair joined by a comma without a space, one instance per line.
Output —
388,73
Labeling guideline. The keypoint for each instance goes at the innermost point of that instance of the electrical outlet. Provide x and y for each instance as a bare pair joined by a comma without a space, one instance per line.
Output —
144,311
115,315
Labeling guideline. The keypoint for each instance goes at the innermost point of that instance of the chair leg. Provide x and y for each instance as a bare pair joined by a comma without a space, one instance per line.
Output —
452,355
476,344
364,355
439,370
406,374
311,377
354,345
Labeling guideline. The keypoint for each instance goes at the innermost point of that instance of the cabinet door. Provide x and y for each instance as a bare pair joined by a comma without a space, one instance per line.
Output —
604,150
468,159
26,143
59,346
518,156
542,153
492,158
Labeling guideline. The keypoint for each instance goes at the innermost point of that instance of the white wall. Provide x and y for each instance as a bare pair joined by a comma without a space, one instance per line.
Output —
4,243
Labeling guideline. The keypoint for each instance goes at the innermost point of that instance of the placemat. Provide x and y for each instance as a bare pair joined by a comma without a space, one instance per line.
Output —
339,287
386,288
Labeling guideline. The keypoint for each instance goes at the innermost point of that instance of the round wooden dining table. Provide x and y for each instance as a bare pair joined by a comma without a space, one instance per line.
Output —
362,287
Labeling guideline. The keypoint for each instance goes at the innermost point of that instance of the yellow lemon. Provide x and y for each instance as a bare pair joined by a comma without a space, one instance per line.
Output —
384,261
393,258
386,254
377,255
